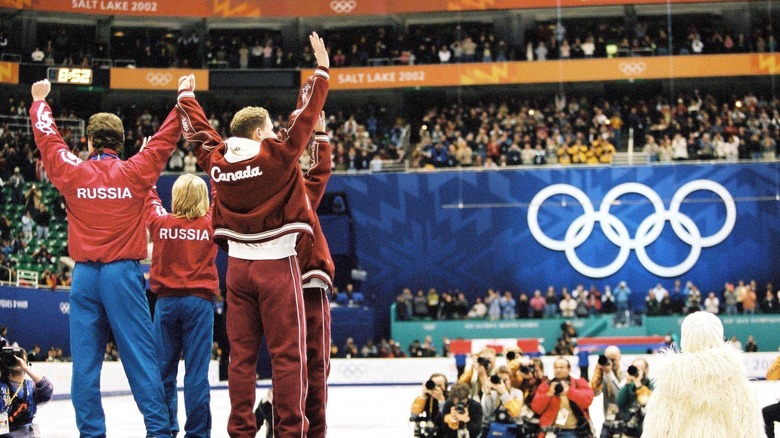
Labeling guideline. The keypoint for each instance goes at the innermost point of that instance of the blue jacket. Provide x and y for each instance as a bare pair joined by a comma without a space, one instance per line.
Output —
24,406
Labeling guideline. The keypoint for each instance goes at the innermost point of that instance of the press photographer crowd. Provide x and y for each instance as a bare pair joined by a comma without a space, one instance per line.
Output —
511,395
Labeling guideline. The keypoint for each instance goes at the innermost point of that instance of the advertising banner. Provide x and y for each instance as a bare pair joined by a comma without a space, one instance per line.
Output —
155,78
286,8
9,73
535,72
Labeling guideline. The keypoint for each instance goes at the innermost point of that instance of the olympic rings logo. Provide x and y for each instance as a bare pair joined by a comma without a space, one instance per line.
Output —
64,307
647,232
343,6
632,68
158,79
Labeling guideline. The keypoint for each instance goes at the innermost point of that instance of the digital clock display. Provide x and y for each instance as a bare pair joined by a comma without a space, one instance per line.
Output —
67,75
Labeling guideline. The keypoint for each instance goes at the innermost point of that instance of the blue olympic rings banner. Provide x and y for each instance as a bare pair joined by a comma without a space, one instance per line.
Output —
527,228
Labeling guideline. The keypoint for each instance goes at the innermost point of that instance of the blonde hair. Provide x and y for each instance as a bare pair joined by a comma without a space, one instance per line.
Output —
247,120
105,130
190,197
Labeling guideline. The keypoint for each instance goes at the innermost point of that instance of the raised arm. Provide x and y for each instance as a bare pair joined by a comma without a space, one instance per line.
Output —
195,125
311,100
148,164
55,154
316,178
153,208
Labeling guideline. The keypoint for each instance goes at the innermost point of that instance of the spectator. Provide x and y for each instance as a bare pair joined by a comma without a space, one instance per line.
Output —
750,345
568,306
478,310
538,304
493,303
432,300
477,376
508,305
16,182
42,218
420,305
730,299
712,303
551,306
769,304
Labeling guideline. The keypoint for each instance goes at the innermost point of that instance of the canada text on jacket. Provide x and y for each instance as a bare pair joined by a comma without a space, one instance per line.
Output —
248,172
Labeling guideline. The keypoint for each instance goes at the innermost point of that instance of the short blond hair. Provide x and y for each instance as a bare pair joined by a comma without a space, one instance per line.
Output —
105,130
247,120
190,197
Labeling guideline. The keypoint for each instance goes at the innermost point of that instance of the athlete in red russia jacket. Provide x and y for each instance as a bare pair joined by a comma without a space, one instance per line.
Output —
315,259
104,195
189,269
263,197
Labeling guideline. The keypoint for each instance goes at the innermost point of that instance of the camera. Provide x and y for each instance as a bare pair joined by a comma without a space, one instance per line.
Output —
558,388
460,408
603,360
511,355
494,379
484,362
527,369
633,371
430,385
8,356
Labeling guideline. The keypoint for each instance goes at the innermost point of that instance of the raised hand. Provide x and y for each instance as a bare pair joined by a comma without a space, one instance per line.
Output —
40,90
187,83
320,125
318,46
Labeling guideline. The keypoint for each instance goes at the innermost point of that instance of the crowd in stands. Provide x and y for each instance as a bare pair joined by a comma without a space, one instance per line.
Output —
429,43
580,302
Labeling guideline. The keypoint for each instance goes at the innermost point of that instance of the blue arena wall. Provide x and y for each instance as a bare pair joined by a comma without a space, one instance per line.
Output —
469,230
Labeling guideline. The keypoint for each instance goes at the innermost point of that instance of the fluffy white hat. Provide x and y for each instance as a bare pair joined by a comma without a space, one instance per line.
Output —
700,331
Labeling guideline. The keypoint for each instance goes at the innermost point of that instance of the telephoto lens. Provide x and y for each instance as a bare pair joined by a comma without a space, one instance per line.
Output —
524,369
430,385
633,371
603,360
511,355
558,388
494,379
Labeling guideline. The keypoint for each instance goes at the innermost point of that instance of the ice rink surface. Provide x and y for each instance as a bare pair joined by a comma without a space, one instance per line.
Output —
353,412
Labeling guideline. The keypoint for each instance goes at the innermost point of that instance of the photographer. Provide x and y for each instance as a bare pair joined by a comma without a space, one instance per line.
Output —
532,376
606,379
633,397
426,407
501,405
20,397
477,377
462,414
563,403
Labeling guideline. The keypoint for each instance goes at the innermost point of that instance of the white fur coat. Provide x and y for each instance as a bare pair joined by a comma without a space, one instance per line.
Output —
703,395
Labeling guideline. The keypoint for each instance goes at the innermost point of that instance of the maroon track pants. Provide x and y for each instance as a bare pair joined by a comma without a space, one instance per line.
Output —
318,353
265,297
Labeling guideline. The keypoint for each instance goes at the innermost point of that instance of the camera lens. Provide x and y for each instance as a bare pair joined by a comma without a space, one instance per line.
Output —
524,369
511,355
460,408
633,371
430,384
494,379
603,360
558,388
484,362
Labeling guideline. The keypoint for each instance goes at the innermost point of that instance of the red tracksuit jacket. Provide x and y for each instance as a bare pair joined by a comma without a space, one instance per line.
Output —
189,268
315,259
261,198
104,195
